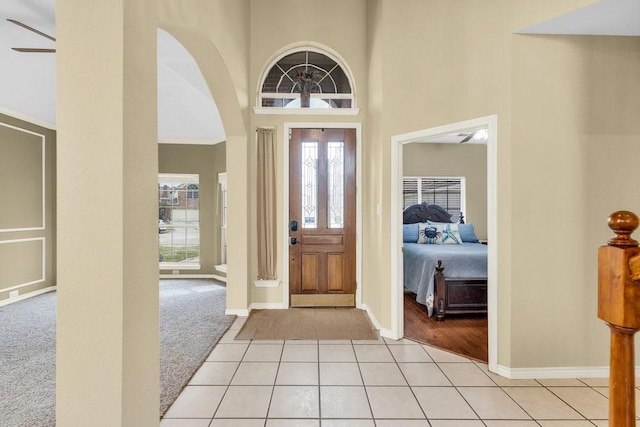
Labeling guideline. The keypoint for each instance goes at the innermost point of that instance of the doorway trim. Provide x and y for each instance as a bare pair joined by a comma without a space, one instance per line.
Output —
288,126
397,302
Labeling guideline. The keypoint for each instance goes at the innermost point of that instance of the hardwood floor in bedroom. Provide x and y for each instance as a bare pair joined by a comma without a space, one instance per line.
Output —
462,334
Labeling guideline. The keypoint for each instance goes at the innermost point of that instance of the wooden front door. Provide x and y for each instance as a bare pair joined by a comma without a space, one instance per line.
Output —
322,217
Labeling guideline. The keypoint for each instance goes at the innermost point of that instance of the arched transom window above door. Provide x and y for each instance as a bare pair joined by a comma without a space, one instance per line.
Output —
304,80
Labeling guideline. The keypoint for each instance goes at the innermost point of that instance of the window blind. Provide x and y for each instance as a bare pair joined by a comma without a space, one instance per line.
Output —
446,192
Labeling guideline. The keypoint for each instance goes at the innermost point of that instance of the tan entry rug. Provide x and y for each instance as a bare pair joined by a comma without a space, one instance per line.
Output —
308,324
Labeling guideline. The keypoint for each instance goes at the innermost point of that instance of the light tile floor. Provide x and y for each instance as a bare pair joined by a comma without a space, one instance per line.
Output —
380,383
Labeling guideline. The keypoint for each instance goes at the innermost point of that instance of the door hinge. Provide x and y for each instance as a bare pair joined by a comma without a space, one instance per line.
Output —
290,133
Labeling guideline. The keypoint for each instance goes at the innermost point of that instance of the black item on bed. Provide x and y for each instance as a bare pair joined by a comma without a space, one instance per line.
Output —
423,212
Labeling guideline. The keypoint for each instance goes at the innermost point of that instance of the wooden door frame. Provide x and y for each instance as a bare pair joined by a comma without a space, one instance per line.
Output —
285,202
397,292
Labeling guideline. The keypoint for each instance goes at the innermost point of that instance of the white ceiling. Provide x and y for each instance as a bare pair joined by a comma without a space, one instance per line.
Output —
605,18
186,110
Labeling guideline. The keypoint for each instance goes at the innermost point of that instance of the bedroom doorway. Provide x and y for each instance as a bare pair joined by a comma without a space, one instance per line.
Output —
459,130
451,176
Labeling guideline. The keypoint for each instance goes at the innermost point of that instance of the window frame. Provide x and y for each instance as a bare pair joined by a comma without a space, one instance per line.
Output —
353,110
222,181
187,179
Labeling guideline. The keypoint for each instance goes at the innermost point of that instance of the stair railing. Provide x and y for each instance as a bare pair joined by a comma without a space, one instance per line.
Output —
619,307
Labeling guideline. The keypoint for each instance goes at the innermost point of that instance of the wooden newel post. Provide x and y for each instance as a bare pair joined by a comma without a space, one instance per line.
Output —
619,307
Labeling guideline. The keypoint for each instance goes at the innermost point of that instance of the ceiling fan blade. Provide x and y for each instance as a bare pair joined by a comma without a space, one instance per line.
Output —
33,50
20,24
468,138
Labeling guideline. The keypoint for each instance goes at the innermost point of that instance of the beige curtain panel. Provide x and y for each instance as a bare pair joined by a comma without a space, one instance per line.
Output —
267,248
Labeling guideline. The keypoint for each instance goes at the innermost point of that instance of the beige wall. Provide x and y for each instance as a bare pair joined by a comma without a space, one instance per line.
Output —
565,105
548,94
374,237
408,79
206,161
576,145
21,170
280,24
467,160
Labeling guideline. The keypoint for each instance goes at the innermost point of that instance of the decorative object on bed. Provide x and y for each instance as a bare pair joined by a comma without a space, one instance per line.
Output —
439,234
449,234
467,231
460,286
424,212
428,234
410,232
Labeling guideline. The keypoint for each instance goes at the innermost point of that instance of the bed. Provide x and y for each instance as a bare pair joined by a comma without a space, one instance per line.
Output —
450,276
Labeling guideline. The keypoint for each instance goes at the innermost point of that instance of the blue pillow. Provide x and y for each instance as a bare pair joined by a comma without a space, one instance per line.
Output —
467,232
410,233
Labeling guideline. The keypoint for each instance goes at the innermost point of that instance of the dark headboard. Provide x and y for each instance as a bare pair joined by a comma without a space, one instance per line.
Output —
425,212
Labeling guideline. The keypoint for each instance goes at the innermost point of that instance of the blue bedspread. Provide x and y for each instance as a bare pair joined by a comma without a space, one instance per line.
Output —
466,260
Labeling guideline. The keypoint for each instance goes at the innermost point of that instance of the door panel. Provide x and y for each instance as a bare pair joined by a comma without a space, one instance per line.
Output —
335,268
322,215
310,270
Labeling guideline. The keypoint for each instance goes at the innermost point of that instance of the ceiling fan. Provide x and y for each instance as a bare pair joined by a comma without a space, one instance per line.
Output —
467,137
30,49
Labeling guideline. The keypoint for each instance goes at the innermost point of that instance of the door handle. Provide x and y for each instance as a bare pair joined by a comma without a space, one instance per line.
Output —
294,241
294,226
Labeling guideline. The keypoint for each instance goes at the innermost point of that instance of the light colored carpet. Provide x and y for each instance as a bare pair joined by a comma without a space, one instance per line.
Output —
28,362
308,324
192,321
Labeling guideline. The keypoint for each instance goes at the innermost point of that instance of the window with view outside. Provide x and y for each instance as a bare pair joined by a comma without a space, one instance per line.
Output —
447,192
306,77
179,221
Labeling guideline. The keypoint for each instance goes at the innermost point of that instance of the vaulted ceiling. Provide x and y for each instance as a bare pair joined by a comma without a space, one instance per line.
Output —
186,110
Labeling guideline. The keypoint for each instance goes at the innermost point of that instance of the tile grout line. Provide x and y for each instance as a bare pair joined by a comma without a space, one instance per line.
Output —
228,385
364,386
407,381
456,389
571,406
319,382
273,386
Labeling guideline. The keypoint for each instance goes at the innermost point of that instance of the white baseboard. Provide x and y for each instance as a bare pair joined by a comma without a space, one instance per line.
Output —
387,333
27,295
266,283
220,278
244,312
240,312
192,276
267,306
551,372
